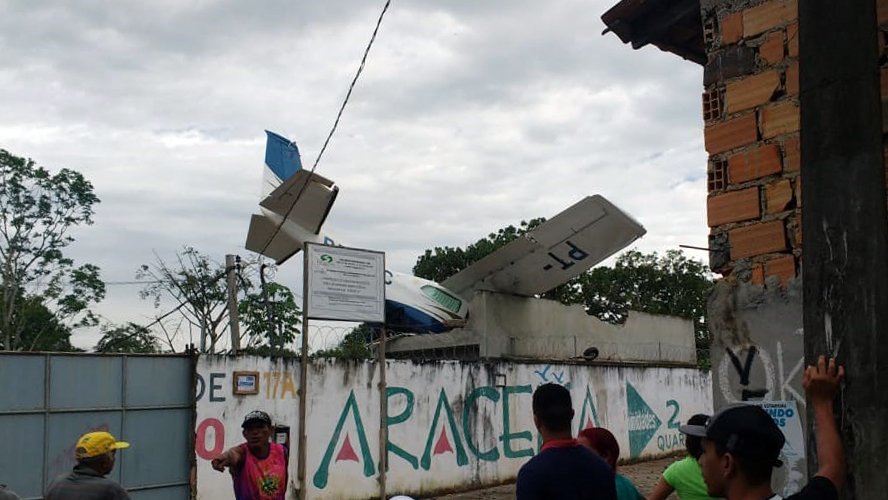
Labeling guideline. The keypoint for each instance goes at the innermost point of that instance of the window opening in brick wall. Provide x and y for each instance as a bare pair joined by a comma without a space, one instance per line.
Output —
717,174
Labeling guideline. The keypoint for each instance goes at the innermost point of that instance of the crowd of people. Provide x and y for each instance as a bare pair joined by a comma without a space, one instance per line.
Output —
731,455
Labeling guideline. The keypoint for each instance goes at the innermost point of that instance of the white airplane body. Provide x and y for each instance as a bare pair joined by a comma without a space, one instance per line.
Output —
296,204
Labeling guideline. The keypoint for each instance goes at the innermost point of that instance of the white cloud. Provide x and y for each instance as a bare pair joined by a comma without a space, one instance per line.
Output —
469,116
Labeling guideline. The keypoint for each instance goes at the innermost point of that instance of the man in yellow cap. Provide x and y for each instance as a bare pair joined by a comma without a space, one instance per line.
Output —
95,453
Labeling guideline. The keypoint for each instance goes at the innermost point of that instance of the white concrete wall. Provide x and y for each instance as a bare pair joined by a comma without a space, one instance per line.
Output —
452,425
526,327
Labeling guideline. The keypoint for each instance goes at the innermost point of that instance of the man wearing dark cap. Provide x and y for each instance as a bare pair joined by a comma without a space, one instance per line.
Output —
95,453
563,469
258,467
741,444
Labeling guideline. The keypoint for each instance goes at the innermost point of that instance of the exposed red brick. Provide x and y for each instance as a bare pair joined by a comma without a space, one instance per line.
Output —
777,196
758,274
780,118
757,239
751,91
770,14
771,50
782,267
731,28
759,162
734,206
730,134
792,79
792,154
792,40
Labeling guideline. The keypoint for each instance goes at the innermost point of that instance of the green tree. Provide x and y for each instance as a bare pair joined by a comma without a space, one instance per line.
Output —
270,317
38,211
128,338
45,332
197,286
671,284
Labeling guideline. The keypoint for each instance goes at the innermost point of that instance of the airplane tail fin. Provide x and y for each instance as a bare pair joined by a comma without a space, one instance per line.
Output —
295,202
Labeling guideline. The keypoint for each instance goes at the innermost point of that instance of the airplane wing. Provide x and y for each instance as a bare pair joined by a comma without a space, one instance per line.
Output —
305,198
559,249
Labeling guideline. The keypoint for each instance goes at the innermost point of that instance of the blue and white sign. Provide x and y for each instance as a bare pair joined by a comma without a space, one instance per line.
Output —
793,475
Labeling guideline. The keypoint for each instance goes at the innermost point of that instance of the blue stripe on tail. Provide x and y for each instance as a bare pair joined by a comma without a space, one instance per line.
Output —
281,156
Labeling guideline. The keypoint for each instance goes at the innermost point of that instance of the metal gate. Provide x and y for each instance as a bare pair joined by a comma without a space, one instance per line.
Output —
48,400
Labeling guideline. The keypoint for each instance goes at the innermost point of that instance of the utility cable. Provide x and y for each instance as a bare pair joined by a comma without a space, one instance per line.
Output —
332,130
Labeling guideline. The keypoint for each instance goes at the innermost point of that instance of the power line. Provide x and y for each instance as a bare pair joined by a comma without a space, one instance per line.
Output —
351,87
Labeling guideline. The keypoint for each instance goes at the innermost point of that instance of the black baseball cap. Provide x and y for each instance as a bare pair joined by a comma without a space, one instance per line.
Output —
256,417
745,430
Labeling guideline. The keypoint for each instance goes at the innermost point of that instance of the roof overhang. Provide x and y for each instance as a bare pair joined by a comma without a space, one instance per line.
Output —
672,25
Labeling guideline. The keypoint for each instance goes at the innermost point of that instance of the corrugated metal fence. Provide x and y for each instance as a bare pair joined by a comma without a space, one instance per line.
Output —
48,400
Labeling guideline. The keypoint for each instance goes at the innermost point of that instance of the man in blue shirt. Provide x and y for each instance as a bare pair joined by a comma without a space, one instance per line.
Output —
563,469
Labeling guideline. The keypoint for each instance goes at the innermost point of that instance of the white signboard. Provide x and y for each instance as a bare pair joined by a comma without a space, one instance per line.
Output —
792,476
345,284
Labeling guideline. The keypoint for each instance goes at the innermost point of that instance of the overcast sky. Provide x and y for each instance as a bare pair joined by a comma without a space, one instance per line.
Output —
470,115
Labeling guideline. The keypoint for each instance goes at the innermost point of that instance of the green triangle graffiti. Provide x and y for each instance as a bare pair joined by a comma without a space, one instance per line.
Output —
323,472
588,413
643,422
461,457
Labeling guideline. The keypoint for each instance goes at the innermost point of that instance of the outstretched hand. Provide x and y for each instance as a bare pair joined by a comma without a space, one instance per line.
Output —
823,380
221,462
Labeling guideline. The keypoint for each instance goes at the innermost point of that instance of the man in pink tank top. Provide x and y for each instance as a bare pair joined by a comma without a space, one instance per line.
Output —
258,467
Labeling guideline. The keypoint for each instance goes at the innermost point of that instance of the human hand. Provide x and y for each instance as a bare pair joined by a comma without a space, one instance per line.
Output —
823,380
219,463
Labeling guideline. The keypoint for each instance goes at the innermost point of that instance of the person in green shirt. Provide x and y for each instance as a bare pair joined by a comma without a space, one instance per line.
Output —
685,477
604,444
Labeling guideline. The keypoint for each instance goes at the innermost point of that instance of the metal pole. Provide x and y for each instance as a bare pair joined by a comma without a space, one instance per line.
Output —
203,334
233,321
303,379
383,414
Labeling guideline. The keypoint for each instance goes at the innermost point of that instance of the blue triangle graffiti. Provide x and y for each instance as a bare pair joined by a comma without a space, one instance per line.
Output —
643,422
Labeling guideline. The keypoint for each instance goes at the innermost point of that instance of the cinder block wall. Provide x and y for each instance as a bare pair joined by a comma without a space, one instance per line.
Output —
751,114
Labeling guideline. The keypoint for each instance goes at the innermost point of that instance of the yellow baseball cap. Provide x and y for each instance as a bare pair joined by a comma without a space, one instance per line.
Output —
93,444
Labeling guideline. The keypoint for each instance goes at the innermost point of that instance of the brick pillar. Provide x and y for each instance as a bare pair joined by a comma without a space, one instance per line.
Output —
751,114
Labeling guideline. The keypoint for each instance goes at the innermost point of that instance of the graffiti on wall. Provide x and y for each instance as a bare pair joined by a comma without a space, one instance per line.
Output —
445,432
449,436
216,388
644,424
748,372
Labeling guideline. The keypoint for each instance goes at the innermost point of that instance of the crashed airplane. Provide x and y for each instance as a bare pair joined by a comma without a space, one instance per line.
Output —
296,202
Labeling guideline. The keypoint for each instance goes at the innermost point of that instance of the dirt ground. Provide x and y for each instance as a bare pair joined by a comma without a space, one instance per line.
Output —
644,474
